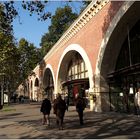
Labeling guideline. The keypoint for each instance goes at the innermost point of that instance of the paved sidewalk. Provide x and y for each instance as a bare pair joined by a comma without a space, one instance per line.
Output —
24,121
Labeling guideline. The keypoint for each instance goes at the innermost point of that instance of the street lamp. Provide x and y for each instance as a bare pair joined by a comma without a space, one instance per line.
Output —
2,90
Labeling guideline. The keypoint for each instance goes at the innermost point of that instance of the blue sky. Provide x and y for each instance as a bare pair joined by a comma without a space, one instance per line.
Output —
30,28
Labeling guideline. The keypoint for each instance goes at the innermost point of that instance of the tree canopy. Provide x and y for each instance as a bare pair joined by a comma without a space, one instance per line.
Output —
17,60
29,57
60,22
9,55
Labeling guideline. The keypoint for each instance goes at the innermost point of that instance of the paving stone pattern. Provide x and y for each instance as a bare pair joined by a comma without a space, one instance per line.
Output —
24,121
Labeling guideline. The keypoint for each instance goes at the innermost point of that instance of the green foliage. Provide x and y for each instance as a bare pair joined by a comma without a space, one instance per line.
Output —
85,4
37,7
16,63
29,57
8,52
9,63
34,7
60,22
5,26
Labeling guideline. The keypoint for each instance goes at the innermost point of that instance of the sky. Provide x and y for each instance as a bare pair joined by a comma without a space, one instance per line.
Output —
30,28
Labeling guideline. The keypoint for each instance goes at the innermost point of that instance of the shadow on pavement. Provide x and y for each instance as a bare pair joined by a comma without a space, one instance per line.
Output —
10,116
96,126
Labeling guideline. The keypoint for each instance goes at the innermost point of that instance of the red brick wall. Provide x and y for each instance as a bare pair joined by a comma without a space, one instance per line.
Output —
90,36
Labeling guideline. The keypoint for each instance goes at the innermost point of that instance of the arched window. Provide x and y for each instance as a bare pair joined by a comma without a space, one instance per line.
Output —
77,68
31,85
36,82
133,54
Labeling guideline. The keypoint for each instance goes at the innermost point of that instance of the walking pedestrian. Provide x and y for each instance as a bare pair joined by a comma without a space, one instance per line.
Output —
137,102
80,106
45,109
59,109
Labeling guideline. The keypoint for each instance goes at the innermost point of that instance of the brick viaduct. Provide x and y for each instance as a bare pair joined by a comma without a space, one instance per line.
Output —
97,36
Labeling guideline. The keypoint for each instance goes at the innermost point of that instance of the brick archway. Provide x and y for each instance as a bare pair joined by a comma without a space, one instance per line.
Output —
81,51
49,81
111,45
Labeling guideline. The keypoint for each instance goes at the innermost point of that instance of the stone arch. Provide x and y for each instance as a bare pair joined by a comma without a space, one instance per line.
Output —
81,51
36,84
49,81
36,92
65,86
115,35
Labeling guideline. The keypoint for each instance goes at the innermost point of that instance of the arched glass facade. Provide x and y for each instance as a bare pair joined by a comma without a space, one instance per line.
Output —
77,68
77,80
125,80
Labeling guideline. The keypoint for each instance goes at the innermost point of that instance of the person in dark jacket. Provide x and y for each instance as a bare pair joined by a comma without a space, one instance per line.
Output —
80,106
45,109
59,109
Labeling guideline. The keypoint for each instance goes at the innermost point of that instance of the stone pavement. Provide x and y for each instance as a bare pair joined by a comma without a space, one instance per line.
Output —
23,121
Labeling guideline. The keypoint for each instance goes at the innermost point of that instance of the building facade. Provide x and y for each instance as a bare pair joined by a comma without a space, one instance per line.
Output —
96,57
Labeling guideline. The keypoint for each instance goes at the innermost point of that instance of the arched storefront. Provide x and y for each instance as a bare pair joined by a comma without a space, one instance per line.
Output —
73,76
48,83
125,80
76,80
119,69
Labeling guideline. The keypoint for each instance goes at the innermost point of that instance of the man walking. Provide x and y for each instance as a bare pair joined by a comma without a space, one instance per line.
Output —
59,109
80,106
45,109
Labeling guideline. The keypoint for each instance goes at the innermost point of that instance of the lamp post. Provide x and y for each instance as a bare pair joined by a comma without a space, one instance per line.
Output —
2,90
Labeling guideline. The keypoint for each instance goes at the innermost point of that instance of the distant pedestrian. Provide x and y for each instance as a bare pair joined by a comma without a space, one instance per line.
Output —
67,101
137,102
80,106
59,109
45,109
22,99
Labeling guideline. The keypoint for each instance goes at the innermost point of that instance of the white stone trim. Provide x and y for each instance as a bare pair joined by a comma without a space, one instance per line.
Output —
33,87
36,68
82,52
33,78
49,66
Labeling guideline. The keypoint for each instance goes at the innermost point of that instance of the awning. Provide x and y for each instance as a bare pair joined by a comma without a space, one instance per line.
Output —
130,70
75,82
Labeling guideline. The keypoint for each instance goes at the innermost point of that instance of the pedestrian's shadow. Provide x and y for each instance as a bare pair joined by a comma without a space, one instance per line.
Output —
95,126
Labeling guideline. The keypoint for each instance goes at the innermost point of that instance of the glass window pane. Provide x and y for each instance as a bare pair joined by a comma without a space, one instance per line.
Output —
76,76
86,68
82,75
72,70
82,66
76,69
69,73
72,77
86,74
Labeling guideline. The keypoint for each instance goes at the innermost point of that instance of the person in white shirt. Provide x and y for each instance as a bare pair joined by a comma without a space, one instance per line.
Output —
137,102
